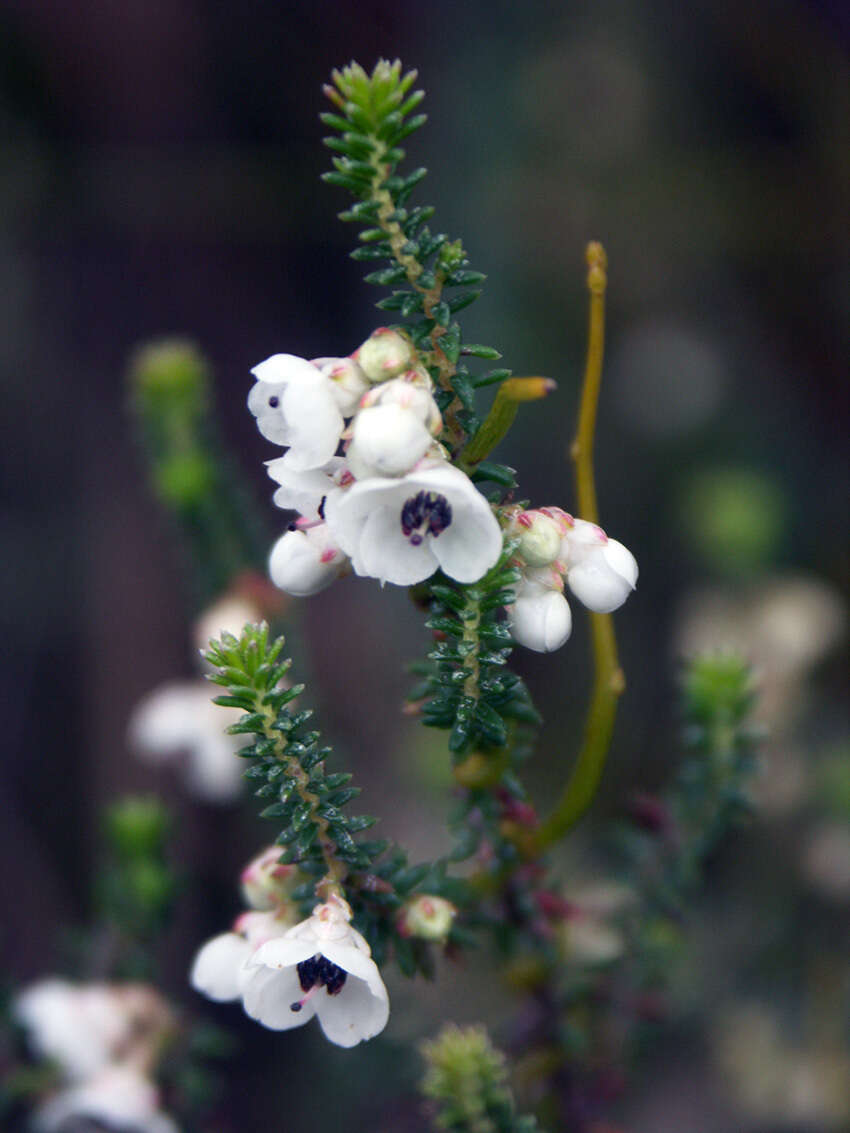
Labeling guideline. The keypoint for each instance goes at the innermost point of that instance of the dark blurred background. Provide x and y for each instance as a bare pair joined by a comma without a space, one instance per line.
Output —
159,174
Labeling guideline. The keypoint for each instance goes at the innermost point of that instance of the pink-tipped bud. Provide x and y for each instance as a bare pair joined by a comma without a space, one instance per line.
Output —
385,354
428,918
266,881
539,537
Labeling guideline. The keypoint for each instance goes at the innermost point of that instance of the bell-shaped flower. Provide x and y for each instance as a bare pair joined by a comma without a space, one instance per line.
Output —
540,617
120,1096
295,405
601,572
413,390
348,382
403,530
387,440
385,354
306,560
180,719
266,881
220,968
320,967
305,492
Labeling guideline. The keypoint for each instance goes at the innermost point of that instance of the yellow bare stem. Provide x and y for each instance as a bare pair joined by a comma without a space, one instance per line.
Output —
608,679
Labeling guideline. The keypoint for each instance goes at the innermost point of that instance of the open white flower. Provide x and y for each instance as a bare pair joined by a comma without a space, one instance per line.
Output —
295,405
402,530
320,967
306,560
601,572
118,1097
306,491
220,968
180,718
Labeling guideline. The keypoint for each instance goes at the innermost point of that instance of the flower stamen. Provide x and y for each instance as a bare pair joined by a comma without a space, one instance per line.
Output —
426,513
315,973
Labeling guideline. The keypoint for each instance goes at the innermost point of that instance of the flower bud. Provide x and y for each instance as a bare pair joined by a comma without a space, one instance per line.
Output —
385,354
348,382
580,540
429,918
387,440
267,882
603,579
413,390
540,619
304,562
539,538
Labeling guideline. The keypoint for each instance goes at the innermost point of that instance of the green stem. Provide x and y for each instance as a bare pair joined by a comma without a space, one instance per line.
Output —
608,680
336,870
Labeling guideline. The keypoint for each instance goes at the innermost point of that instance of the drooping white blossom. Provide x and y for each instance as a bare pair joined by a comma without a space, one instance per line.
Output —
540,617
295,405
402,530
220,968
601,572
180,719
306,560
320,967
119,1096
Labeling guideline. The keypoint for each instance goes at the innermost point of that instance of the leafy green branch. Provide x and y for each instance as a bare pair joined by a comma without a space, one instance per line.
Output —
373,115
288,766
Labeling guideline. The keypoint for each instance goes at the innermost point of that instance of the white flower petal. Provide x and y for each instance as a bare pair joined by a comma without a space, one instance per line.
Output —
165,720
385,554
597,582
540,619
118,1097
264,402
216,968
470,545
286,951
303,491
386,441
357,1012
305,562
269,995
314,420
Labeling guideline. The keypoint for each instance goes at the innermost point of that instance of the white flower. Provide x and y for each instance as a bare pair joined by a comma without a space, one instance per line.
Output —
181,717
384,354
219,970
403,530
601,572
306,491
79,1028
414,390
83,1028
320,967
386,440
540,617
295,405
119,1097
348,382
306,560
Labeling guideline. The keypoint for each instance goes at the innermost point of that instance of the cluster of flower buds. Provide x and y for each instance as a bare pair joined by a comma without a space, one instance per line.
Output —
554,549
286,972
390,505
105,1040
